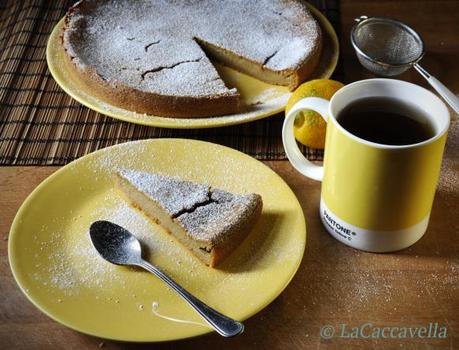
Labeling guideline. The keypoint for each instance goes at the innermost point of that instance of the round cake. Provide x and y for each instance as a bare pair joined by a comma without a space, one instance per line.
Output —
156,57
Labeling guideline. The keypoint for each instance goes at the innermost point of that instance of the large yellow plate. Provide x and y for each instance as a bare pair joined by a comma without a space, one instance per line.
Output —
259,99
58,270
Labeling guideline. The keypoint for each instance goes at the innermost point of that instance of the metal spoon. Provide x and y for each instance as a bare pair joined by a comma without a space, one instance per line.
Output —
118,246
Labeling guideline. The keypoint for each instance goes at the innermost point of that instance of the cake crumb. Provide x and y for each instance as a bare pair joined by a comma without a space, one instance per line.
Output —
101,345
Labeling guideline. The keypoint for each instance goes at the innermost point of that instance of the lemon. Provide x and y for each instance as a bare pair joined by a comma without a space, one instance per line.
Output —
309,127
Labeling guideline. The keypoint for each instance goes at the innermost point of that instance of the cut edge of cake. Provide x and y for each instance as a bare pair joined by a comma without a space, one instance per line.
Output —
291,78
210,250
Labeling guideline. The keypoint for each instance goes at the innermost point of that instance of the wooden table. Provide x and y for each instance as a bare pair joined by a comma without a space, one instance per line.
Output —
335,284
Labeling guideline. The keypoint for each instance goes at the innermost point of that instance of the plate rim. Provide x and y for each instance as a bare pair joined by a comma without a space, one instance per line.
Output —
36,192
192,123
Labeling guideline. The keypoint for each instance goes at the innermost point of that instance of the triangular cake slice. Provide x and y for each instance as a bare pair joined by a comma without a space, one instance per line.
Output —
210,222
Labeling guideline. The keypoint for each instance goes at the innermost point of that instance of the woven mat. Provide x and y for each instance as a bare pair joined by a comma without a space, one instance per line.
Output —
41,125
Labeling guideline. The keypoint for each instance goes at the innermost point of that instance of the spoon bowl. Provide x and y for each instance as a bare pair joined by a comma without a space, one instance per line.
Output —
115,244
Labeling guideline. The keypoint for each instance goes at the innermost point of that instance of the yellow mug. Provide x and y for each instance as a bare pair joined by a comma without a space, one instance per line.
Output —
374,197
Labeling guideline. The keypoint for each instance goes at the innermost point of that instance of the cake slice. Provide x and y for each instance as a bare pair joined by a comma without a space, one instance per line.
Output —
210,222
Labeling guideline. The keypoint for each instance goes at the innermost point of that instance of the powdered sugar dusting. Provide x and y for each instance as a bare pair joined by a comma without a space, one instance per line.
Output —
74,263
207,214
60,271
216,221
449,175
270,100
152,46
68,269
173,194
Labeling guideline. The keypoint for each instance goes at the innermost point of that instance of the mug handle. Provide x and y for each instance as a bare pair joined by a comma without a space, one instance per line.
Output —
294,154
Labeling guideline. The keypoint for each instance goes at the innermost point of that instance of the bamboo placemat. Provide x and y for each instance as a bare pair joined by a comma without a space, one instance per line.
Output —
41,125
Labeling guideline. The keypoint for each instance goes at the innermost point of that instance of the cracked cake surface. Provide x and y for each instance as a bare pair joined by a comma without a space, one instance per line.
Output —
207,214
210,222
214,221
160,49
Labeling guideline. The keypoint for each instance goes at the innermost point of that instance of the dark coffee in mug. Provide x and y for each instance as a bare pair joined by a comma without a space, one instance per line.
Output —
386,121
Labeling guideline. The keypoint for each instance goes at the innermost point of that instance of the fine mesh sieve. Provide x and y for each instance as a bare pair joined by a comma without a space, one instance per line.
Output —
385,46
388,47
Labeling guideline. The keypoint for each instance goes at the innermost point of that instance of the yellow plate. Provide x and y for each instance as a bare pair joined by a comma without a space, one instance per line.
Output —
56,267
261,100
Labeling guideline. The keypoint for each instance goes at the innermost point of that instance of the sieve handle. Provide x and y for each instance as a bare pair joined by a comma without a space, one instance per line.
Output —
444,92
294,155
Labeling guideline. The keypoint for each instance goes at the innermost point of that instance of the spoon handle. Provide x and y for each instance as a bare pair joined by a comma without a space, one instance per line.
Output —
224,325
444,92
